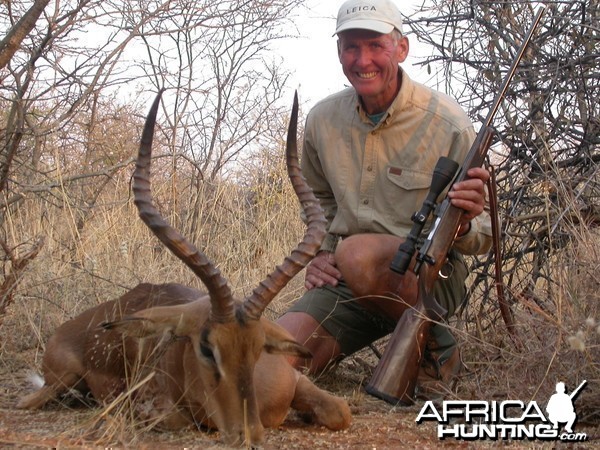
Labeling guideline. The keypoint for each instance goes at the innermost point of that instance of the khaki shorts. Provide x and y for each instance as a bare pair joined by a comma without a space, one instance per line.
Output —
354,327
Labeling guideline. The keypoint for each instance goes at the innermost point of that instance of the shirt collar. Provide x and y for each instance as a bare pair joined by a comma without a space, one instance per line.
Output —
402,98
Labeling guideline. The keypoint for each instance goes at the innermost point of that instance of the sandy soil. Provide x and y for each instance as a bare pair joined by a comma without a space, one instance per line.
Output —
376,425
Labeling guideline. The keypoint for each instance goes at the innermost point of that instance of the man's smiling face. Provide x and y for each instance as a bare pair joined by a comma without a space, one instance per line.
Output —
370,62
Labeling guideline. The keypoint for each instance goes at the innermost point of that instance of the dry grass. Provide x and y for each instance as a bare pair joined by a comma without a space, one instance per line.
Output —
559,330
247,236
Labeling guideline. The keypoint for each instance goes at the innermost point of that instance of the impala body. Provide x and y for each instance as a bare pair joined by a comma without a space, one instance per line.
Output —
190,357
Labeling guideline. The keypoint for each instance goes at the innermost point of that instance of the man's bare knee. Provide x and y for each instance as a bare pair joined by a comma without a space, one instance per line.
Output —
307,331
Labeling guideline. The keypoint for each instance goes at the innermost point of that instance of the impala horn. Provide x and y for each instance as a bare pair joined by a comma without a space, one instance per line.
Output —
265,292
221,299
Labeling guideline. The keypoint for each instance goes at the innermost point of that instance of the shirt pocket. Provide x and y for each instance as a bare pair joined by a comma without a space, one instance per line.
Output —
408,179
403,194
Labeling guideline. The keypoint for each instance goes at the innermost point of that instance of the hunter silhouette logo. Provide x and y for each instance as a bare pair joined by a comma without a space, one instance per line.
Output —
504,420
560,407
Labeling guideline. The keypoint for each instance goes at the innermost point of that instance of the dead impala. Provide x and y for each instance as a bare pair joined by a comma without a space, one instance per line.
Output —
224,365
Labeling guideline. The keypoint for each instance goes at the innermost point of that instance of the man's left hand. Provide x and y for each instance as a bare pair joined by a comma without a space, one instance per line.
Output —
469,195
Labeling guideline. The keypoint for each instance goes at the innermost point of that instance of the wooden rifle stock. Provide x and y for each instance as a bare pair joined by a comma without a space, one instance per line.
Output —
395,377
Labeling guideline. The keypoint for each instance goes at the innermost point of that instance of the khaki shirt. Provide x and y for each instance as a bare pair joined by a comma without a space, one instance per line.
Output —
372,178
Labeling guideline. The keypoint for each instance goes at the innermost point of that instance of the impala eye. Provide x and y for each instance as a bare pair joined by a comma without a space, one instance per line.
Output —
207,352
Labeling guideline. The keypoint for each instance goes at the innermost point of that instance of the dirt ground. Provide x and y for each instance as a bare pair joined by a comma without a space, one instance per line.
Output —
54,428
376,425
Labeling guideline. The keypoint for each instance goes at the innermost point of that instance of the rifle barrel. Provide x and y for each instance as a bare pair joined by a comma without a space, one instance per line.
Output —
513,68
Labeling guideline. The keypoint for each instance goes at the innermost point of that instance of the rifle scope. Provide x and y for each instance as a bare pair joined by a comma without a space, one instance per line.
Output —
444,172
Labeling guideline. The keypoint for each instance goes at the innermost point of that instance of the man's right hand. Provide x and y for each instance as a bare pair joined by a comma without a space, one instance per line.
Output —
322,270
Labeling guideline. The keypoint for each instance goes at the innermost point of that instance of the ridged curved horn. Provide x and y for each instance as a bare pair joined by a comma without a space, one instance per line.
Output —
222,305
255,304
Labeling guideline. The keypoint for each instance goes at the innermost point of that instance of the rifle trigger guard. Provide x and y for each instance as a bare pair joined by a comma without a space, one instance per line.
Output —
446,271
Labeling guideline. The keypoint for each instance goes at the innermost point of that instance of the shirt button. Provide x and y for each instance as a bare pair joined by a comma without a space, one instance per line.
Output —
366,201
369,168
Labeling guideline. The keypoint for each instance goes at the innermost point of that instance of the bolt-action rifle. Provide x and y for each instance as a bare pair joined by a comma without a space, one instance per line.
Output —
395,376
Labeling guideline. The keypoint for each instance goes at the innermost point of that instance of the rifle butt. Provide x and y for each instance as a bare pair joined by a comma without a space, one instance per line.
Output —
395,377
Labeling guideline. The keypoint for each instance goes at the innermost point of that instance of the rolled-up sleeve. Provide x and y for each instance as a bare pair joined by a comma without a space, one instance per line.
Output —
478,240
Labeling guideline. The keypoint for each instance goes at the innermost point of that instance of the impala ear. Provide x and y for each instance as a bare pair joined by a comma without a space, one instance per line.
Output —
133,326
279,341
180,320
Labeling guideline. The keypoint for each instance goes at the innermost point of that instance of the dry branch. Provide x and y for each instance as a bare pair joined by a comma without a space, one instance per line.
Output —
11,42
549,135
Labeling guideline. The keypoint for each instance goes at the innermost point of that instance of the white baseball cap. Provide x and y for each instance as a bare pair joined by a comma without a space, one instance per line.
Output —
381,16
